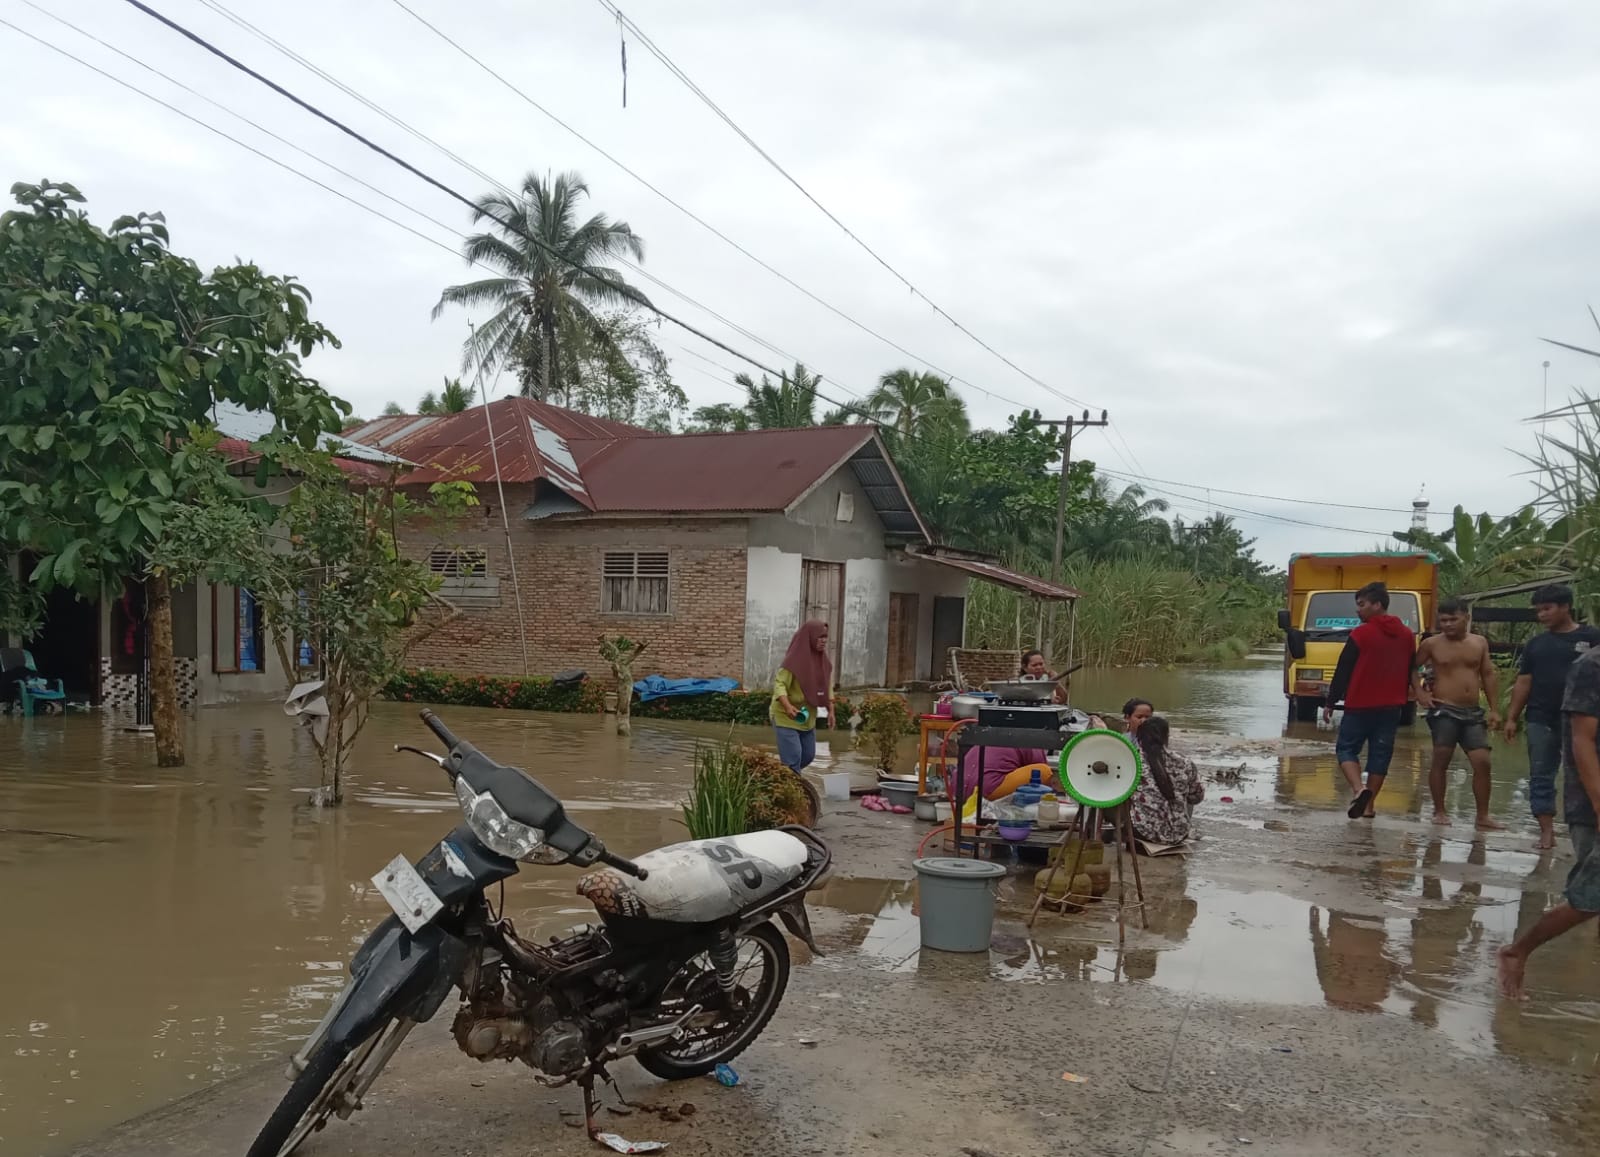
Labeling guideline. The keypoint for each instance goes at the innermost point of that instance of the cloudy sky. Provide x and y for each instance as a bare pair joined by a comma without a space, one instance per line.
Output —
1299,252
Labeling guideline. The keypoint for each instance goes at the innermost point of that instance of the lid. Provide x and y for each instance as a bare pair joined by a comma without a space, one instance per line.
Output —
950,868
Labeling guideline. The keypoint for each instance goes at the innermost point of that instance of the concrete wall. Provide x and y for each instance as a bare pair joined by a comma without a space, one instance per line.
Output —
928,581
771,611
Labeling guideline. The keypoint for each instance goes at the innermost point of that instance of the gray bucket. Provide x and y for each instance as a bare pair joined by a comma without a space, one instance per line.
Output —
957,901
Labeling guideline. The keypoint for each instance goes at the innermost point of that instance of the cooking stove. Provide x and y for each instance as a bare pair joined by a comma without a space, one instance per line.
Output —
1028,716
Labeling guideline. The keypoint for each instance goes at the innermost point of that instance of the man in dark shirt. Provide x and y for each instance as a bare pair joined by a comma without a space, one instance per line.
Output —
1582,759
1541,683
1373,680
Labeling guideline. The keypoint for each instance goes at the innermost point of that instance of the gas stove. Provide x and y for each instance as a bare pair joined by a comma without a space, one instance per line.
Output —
1030,716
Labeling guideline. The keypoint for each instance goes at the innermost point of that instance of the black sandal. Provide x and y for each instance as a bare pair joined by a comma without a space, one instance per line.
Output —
1358,807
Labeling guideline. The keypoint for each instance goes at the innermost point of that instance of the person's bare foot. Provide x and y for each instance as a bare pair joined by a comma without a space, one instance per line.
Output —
1509,968
1545,844
1489,824
1441,819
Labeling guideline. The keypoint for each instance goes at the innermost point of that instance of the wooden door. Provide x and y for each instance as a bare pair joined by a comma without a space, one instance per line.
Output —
903,615
822,597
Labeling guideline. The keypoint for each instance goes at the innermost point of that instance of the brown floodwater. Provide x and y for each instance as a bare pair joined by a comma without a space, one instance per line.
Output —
168,928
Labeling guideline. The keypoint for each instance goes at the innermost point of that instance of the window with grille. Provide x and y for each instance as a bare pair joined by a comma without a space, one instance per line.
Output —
458,561
634,583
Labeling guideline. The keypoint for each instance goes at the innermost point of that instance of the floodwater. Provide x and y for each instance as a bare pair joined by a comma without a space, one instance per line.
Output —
168,928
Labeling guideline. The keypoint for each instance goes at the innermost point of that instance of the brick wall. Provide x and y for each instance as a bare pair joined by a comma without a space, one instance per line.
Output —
979,667
558,566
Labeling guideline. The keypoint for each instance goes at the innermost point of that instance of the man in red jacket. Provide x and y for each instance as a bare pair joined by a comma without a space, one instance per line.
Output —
1374,680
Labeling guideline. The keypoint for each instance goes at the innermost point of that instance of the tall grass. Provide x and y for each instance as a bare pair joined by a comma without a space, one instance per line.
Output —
720,798
1133,612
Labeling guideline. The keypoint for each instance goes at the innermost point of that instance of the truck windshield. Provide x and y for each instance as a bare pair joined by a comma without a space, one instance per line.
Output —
1336,611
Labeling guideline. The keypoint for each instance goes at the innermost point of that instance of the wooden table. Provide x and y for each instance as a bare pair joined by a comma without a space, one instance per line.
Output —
980,737
940,725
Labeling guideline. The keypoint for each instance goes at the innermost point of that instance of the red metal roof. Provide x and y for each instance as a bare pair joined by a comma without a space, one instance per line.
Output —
612,467
531,442
995,573
753,470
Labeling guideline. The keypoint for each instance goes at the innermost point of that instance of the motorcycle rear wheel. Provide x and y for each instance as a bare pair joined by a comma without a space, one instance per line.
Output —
308,1104
696,980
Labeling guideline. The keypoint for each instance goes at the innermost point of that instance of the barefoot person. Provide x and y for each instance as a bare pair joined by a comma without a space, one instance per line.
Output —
1582,790
1541,682
1463,675
1374,681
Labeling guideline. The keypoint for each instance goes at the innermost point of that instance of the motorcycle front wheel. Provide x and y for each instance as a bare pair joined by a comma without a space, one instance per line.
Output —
332,1072
761,974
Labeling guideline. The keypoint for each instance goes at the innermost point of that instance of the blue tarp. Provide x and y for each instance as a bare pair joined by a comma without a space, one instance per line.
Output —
658,687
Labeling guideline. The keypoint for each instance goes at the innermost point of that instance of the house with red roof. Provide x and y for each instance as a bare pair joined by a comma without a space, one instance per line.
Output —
712,548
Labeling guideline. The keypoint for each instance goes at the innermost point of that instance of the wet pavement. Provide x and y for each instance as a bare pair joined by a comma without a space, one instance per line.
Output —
192,922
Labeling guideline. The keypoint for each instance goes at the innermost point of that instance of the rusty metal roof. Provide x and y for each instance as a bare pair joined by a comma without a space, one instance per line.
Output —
997,574
612,467
532,441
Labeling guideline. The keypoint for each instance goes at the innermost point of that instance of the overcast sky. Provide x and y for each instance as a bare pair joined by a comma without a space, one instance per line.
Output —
1300,251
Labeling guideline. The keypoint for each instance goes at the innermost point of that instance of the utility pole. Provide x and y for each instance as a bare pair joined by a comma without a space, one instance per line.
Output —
1067,425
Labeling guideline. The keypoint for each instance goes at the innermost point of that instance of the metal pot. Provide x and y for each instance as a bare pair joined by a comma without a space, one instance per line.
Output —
966,706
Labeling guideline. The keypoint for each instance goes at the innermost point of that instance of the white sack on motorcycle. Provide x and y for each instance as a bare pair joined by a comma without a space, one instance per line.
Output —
700,881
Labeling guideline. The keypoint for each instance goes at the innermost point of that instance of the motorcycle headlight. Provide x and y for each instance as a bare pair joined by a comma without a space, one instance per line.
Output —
490,823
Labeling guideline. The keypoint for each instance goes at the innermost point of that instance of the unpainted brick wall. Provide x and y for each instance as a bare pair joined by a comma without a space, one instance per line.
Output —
558,566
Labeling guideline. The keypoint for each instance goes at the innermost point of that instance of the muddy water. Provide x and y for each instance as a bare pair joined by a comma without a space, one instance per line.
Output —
167,928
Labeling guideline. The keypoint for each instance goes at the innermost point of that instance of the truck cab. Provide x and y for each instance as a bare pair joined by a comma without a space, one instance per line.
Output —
1322,613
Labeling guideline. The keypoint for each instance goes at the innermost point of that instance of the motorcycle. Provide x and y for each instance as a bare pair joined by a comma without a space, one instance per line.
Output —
683,972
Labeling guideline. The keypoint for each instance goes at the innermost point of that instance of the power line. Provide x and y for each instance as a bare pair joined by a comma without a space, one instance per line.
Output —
1267,497
228,137
700,93
1272,517
689,213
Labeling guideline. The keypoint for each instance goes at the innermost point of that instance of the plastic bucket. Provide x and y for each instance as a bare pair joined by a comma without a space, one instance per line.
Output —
957,903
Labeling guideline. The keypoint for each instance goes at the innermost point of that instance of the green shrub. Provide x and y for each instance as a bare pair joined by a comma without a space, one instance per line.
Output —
534,693
886,719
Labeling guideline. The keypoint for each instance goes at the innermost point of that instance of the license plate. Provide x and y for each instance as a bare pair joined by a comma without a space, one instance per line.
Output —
408,894
1310,674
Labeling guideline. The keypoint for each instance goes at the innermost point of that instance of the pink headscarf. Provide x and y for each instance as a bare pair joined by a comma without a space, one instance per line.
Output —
812,669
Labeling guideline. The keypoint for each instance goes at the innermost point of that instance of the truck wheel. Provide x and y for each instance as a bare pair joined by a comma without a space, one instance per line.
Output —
1305,710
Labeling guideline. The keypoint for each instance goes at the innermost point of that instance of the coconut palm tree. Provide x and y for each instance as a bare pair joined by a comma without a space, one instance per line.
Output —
552,276
1121,525
453,399
908,402
786,405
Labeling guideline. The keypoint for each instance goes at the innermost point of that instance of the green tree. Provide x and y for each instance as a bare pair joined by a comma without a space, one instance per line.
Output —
553,275
1476,552
618,371
393,410
718,419
453,399
910,402
114,352
788,404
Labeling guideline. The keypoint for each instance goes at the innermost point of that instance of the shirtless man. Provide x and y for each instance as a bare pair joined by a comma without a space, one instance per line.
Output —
1462,673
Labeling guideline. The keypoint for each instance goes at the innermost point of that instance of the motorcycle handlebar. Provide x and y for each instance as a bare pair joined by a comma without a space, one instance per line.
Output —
436,725
623,865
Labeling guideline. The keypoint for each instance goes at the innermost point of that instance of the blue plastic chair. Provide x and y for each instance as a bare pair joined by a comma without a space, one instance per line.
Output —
38,690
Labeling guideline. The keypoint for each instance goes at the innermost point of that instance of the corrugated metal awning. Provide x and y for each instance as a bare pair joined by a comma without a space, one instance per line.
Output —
995,573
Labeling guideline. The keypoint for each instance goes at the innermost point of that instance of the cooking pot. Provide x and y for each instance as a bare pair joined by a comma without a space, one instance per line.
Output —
966,706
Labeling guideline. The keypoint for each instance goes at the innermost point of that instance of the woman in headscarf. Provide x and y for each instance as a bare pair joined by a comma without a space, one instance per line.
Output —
1163,805
801,689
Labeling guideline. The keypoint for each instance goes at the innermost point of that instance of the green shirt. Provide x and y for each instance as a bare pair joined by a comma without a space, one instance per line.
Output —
784,683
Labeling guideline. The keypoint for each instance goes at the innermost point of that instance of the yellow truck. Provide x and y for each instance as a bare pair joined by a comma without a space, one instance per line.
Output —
1322,613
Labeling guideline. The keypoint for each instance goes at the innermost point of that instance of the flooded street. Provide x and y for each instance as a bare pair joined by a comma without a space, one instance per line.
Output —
172,928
